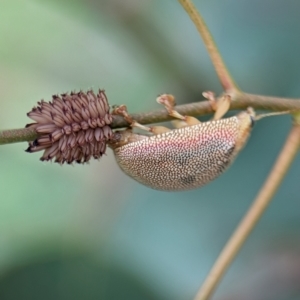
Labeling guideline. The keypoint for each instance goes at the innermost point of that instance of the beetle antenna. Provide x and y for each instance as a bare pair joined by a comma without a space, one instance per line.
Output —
272,114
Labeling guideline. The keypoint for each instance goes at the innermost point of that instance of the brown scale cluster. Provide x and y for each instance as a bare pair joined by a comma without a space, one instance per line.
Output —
72,127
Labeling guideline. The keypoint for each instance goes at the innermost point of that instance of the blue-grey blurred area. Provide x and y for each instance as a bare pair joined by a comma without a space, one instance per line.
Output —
90,232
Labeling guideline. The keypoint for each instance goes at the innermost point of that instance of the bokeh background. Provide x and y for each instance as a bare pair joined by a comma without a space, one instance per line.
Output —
90,232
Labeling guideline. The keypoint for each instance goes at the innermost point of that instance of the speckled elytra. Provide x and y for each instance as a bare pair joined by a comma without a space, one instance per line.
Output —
187,157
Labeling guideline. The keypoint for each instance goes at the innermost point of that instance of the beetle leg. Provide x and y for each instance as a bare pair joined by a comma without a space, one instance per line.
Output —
122,111
220,106
168,101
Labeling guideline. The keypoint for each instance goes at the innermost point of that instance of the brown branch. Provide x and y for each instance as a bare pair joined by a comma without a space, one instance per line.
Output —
222,72
239,101
255,212
17,135
261,102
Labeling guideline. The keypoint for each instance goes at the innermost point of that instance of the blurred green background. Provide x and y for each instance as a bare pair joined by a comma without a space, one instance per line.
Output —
90,232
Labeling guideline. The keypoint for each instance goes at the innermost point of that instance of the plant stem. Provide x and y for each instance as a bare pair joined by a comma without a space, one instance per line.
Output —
244,100
220,67
251,218
17,135
239,101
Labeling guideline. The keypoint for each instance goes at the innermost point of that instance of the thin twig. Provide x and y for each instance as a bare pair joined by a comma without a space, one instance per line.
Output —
239,101
244,100
17,135
259,205
223,73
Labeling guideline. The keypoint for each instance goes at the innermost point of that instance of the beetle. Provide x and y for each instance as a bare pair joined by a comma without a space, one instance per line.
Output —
187,157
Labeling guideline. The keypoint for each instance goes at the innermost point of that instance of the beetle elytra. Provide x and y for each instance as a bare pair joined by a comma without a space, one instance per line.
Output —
187,157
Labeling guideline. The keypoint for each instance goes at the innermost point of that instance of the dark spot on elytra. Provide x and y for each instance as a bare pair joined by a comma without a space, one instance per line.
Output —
188,180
